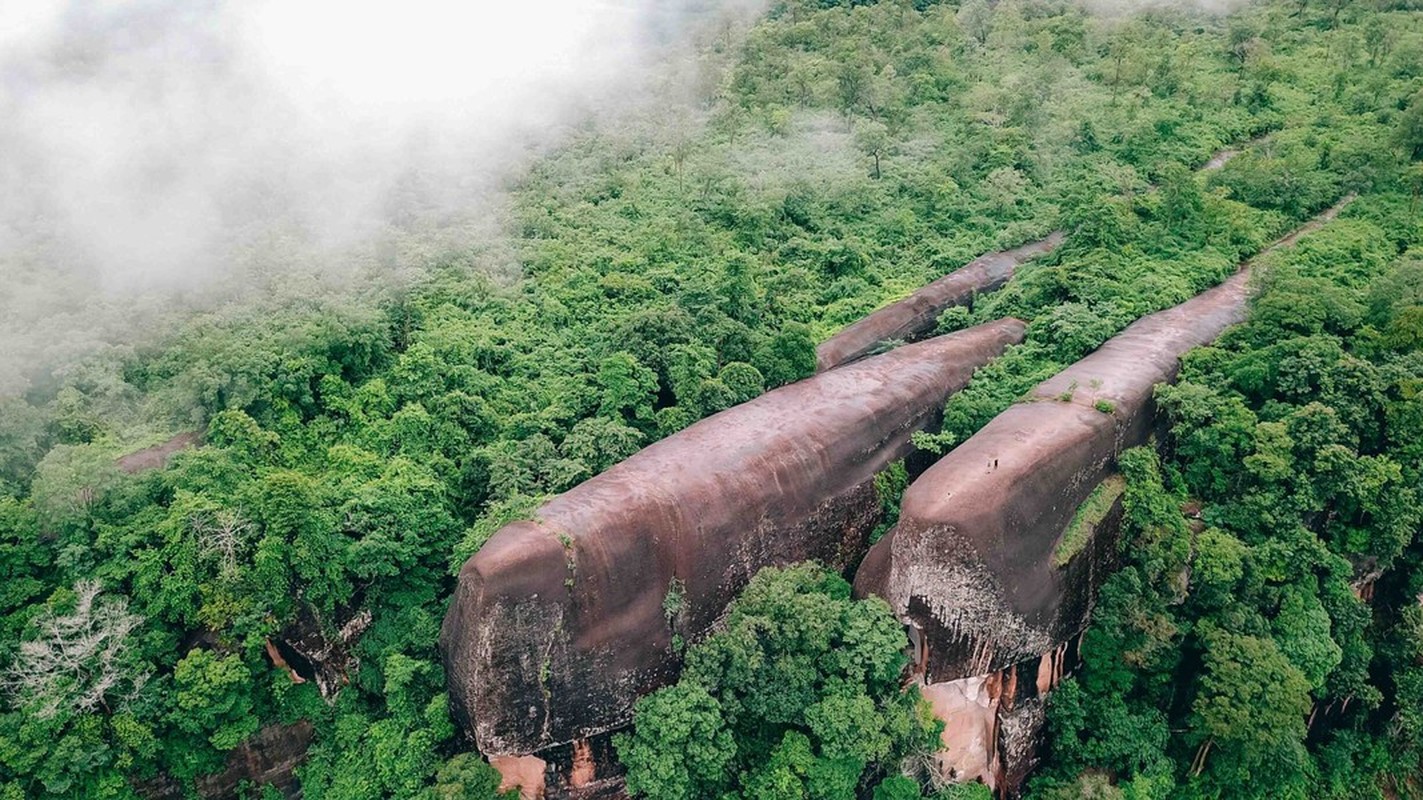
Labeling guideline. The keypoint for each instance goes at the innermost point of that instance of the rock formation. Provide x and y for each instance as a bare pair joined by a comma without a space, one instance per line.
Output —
976,566
269,758
915,316
991,565
322,651
559,623
158,456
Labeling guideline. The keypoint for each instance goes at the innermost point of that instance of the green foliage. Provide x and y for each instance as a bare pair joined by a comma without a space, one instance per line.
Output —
468,777
212,699
358,448
1289,431
681,746
890,484
798,696
1088,516
787,357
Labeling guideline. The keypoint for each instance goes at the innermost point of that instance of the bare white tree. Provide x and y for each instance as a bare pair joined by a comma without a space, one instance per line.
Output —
222,533
76,662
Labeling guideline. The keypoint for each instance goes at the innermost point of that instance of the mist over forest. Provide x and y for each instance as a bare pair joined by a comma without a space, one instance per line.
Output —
168,156
711,400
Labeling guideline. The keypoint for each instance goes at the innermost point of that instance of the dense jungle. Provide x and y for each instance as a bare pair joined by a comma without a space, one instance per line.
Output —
281,568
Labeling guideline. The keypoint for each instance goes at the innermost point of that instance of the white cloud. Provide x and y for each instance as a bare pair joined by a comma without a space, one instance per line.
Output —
151,147
149,131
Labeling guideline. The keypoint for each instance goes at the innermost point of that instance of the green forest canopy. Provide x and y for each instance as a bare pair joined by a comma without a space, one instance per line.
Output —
357,450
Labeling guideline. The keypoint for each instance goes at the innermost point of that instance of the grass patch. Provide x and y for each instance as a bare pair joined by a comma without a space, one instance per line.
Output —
890,484
1089,515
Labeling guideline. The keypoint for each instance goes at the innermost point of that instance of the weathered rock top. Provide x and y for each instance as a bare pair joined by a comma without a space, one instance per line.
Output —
560,622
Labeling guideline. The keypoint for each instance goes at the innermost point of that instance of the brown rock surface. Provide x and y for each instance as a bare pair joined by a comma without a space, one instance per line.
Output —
970,564
268,758
157,456
524,773
969,709
915,316
558,624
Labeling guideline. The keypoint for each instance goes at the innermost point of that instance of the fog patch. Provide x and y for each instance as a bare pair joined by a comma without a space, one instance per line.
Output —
181,150
1117,8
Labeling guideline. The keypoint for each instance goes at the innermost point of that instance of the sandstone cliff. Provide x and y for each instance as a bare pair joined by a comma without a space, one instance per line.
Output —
970,565
915,316
559,623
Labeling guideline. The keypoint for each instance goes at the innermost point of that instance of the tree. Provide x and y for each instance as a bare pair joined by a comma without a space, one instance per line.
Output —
798,696
22,441
212,698
1249,717
70,480
1410,128
222,534
468,777
680,747
627,388
975,17
80,660
788,357
742,380
600,443
872,137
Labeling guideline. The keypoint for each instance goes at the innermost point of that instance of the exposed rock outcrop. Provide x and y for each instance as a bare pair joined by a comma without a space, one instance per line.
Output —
977,566
158,456
559,623
322,651
914,317
970,565
269,758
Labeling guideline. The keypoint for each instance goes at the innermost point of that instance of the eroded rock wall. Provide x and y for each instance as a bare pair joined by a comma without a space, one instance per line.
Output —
269,758
560,622
158,456
915,316
970,565
977,567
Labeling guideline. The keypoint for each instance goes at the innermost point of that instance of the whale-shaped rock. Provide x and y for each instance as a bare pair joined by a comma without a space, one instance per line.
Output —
971,565
911,318
559,623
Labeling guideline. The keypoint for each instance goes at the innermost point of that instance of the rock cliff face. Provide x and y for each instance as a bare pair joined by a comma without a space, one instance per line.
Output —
269,758
971,563
976,566
915,316
559,623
